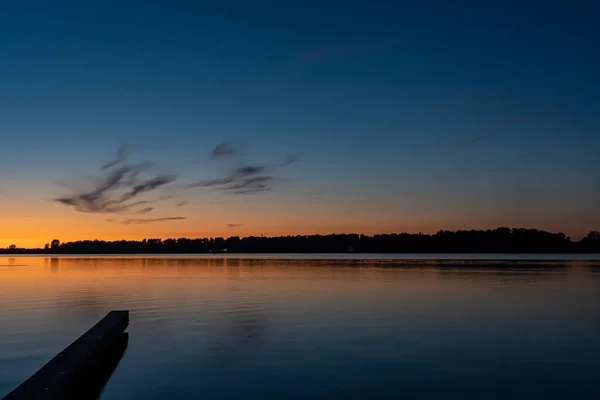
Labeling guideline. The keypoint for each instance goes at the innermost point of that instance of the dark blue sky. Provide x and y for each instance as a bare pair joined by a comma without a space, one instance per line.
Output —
438,113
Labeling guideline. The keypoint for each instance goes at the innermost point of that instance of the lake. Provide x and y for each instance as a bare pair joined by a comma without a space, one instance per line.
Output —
318,327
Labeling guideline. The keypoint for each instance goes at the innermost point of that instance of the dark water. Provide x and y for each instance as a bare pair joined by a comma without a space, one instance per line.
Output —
207,327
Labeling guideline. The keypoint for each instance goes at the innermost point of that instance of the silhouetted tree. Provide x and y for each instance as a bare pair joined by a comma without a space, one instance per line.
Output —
591,242
501,240
593,236
55,244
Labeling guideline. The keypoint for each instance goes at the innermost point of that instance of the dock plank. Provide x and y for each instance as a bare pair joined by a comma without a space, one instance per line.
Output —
68,372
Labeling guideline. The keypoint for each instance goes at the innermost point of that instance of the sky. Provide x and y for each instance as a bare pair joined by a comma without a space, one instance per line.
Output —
133,119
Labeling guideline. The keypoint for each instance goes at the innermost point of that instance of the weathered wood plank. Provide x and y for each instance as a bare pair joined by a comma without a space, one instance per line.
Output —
72,369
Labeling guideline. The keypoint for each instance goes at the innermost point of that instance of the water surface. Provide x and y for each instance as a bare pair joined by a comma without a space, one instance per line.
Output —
315,327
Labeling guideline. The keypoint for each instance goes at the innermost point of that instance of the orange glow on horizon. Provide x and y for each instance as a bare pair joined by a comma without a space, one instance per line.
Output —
32,225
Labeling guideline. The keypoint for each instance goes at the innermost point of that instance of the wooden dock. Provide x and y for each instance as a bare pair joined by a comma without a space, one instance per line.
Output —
81,370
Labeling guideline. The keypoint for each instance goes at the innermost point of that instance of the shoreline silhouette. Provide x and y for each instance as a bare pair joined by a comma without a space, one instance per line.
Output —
492,241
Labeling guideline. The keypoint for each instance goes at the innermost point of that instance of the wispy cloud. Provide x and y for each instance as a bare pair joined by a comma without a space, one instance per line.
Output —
120,157
150,220
233,225
120,189
244,179
257,182
212,182
181,203
149,185
145,210
289,159
223,149
248,170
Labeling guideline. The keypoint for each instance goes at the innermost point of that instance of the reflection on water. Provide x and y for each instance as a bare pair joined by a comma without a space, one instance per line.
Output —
91,383
244,327
320,328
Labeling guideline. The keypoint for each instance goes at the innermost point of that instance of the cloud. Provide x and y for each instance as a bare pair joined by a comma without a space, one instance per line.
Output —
181,203
289,159
480,138
238,173
242,179
258,182
145,210
211,182
247,186
118,189
249,170
149,185
150,220
223,149
245,192
233,225
120,157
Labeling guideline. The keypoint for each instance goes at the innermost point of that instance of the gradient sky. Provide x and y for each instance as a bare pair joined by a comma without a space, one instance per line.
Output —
403,116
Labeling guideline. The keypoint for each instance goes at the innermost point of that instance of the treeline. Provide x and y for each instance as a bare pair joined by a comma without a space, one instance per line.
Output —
501,240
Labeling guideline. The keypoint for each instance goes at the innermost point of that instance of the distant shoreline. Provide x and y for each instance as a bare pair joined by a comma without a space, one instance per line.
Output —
399,257
492,241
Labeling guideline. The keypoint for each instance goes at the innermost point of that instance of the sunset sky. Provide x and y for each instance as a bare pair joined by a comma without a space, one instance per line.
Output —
132,119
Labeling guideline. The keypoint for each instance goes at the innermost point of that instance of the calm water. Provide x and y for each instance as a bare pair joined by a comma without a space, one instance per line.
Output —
267,327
